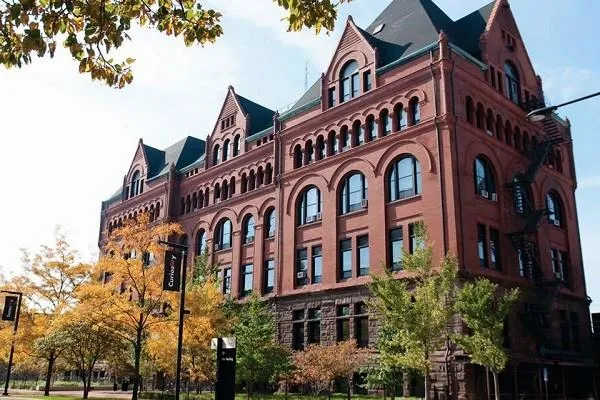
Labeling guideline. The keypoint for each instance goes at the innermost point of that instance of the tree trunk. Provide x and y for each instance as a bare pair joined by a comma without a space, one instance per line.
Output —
248,389
427,384
86,384
137,357
496,385
329,391
49,375
349,394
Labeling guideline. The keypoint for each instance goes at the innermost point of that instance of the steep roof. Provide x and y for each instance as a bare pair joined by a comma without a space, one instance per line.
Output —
182,153
469,28
260,117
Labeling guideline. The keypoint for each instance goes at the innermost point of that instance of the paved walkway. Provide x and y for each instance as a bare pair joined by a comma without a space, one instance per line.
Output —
94,394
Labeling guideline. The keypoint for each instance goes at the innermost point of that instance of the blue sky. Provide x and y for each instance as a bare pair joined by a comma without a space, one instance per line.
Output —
66,142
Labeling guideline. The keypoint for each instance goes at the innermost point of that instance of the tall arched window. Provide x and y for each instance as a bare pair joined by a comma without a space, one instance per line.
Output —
248,229
554,209
513,86
225,190
309,152
268,174
499,127
236,145
194,201
386,121
244,183
251,180
217,193
345,138
350,81
372,127
200,242
135,184
508,133
470,110
353,193
309,206
332,144
216,150
200,199
297,156
270,223
480,116
489,121
485,185
223,234
226,150
400,117
320,153
404,178
415,110
358,134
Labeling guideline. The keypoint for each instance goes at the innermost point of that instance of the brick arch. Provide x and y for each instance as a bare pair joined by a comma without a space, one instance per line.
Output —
406,147
370,111
354,164
309,179
343,122
551,184
137,167
222,213
248,209
475,149
268,202
356,55
355,116
418,93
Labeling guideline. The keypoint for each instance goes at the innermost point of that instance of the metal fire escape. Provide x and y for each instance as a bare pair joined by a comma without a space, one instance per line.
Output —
536,315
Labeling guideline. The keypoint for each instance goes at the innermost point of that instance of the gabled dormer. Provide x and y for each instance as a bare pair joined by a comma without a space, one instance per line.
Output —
238,120
133,182
502,48
351,72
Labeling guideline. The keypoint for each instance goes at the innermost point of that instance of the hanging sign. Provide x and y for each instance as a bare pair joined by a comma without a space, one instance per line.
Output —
172,274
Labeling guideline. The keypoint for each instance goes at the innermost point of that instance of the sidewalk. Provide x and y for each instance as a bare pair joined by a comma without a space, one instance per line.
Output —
94,394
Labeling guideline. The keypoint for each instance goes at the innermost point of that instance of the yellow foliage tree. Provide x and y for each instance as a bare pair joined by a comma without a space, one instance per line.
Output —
127,294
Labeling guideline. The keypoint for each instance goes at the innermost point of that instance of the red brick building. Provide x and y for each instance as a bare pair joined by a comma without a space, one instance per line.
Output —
417,118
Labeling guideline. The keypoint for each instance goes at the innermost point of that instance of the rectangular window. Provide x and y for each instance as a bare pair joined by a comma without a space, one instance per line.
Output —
361,324
495,249
555,263
331,96
414,242
481,246
346,259
317,264
247,279
396,248
345,90
227,280
343,323
269,276
368,82
298,330
355,84
301,267
362,243
575,331
314,325
564,266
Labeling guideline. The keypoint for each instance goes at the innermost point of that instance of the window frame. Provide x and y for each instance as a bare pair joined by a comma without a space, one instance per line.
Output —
303,206
394,179
345,195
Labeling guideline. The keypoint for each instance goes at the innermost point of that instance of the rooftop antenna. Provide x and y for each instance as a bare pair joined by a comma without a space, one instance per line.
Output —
306,76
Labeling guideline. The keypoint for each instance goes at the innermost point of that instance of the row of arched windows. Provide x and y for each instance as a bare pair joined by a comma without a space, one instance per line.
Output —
227,189
358,133
504,131
153,212
228,150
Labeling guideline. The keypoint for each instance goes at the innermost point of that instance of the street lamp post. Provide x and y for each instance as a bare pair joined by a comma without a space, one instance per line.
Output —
12,346
183,249
540,114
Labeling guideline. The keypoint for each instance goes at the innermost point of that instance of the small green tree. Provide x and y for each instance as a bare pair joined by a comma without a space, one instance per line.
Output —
259,357
416,311
384,374
484,314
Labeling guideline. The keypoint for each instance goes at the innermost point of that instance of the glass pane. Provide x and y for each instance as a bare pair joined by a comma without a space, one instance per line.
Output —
317,268
355,85
363,260
346,264
397,251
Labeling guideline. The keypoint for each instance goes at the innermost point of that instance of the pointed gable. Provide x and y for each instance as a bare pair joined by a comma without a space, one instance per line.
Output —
140,161
467,31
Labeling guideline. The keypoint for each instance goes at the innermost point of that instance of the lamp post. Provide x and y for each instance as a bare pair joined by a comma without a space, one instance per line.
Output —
12,346
182,248
540,114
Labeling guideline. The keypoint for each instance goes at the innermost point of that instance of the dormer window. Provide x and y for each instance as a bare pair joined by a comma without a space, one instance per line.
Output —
227,122
216,154
136,184
350,81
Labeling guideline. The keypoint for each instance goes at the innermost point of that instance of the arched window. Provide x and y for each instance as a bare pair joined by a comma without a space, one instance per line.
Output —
358,134
309,206
225,190
217,193
386,121
484,178
270,223
404,178
372,127
513,86
554,209
200,242
480,116
345,138
188,204
489,121
332,145
353,193
244,183
260,177
470,110
223,234
206,197
248,229
200,199
216,150
350,81
231,187
251,180
297,156
268,174
194,201
415,110
508,133
135,184
499,127
309,152
400,117
320,153
236,145
226,150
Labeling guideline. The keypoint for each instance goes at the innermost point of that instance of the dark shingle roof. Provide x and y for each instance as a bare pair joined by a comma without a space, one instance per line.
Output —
469,28
182,153
260,117
313,93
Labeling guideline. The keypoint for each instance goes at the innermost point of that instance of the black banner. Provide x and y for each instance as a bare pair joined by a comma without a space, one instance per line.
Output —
10,308
172,277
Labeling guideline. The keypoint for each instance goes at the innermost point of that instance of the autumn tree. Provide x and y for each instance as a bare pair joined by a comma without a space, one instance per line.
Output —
92,29
259,357
484,311
416,311
127,295
320,365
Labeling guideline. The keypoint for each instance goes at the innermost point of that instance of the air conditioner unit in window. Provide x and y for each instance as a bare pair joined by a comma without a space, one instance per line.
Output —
484,193
494,196
556,222
318,217
217,246
301,275
310,218
250,239
364,203
490,133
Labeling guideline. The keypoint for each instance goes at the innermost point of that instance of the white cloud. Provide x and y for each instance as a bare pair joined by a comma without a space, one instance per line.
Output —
590,182
565,83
